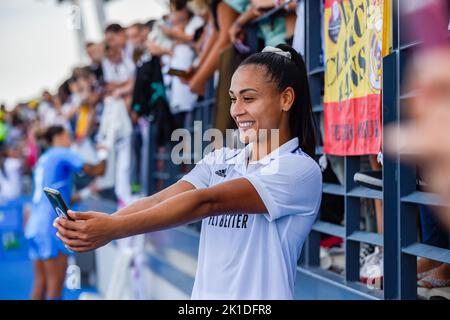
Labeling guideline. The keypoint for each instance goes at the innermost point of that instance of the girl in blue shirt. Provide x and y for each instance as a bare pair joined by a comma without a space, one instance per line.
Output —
54,169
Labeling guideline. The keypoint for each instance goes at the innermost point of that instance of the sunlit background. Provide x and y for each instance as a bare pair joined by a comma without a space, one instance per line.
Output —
41,45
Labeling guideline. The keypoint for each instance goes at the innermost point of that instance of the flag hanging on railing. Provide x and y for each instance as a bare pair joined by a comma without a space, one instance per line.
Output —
353,53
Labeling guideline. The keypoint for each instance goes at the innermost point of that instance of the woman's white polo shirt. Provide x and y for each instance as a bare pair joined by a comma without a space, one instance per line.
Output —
254,256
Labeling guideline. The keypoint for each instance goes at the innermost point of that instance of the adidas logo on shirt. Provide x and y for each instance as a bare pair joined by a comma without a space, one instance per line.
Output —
221,172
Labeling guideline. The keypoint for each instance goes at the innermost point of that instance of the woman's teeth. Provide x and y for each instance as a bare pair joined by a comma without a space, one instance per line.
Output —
246,124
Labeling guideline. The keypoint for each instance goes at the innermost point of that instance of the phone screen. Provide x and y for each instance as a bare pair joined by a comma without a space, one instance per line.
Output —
58,203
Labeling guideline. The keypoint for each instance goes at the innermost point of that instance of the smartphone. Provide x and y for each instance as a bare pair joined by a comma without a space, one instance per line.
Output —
179,73
58,203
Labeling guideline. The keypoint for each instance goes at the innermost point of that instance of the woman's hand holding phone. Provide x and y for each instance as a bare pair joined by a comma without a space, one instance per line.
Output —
89,231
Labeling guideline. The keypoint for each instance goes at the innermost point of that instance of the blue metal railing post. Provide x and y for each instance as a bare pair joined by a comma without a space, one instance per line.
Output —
407,234
311,251
352,220
390,183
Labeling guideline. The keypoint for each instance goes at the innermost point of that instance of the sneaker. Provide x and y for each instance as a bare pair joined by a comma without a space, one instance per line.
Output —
371,272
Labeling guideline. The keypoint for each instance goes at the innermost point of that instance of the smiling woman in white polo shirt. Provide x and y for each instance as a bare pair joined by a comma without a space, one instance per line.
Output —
257,207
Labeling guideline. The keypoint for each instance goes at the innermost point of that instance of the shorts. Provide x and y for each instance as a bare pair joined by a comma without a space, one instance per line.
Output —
43,247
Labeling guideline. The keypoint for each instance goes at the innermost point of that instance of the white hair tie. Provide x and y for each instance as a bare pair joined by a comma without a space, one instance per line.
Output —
278,51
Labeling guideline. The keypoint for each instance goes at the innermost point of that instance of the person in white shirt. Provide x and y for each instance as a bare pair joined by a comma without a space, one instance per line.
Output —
184,26
115,134
11,175
118,72
115,124
46,110
115,37
257,204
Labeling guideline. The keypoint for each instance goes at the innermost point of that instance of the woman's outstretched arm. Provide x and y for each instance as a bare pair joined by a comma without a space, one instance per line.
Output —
93,229
150,201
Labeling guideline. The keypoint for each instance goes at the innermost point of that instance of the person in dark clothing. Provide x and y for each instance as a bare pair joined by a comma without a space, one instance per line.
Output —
149,98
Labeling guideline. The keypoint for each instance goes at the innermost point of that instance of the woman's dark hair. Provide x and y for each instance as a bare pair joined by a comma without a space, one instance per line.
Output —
64,92
150,24
51,132
16,120
291,72
114,28
178,4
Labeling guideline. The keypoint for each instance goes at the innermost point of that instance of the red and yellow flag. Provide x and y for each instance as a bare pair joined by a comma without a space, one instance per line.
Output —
355,42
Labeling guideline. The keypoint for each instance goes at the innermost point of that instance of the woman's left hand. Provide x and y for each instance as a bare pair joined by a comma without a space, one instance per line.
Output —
90,231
